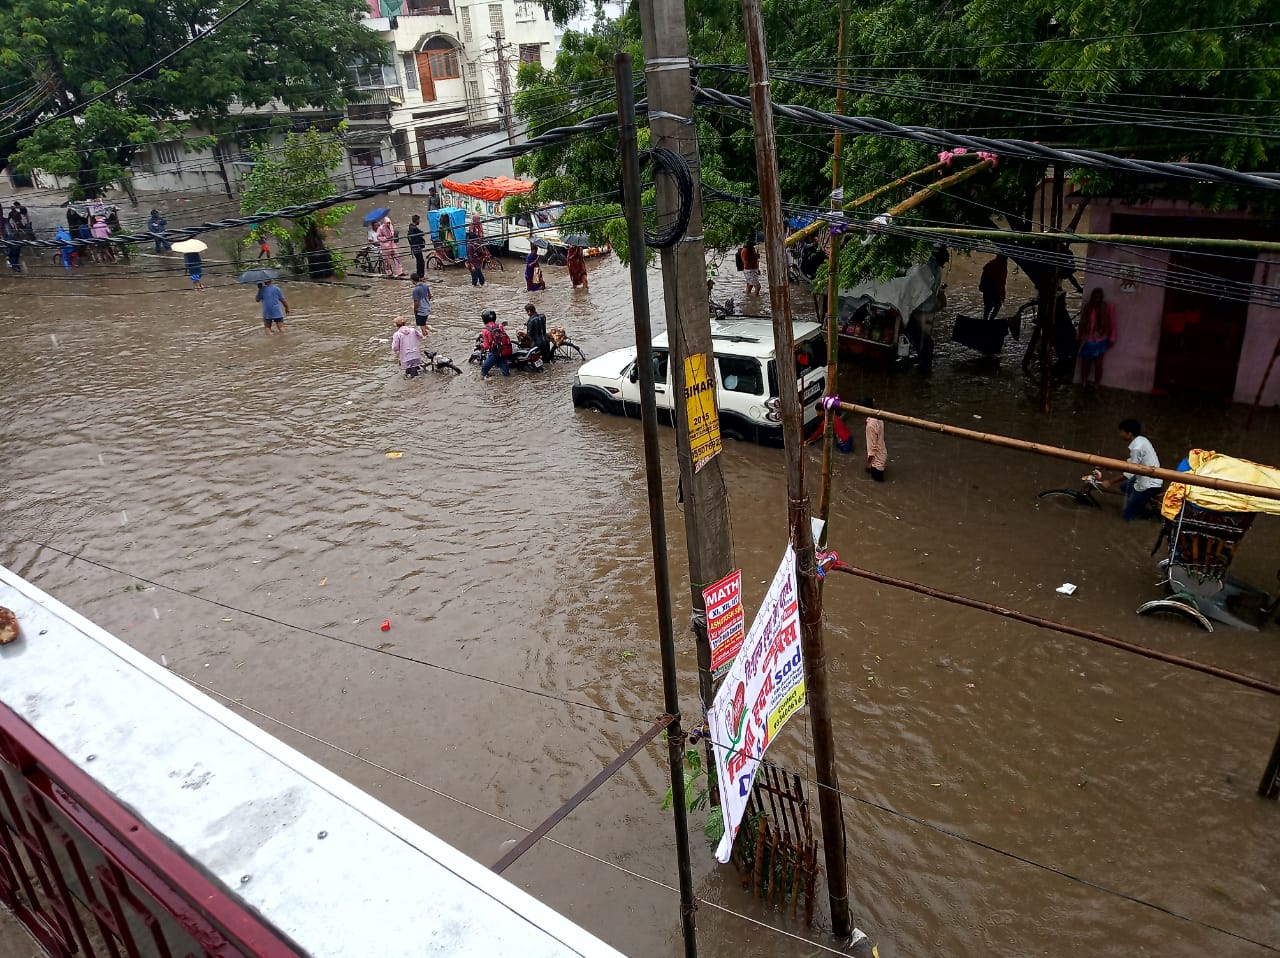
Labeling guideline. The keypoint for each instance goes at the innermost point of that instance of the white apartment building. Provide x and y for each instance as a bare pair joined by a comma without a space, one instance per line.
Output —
442,93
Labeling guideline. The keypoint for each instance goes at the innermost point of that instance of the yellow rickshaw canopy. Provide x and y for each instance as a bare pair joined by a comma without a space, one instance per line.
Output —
1217,466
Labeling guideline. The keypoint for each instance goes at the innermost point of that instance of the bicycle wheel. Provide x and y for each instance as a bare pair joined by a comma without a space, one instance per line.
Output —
434,261
448,367
1078,496
567,350
494,263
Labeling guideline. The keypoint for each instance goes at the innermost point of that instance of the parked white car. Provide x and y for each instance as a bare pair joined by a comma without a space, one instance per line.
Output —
746,379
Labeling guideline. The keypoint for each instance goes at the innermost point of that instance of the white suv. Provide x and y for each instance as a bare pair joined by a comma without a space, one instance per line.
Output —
746,379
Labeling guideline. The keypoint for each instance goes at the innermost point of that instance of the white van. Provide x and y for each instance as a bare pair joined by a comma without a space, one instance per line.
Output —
746,379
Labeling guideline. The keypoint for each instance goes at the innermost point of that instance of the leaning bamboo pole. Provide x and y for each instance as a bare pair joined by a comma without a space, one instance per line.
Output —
1118,239
816,226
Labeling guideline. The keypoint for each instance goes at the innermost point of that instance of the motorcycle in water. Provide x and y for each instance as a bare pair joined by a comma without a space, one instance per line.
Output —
522,357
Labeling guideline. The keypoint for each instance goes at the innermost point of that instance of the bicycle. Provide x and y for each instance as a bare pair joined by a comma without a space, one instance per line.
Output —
436,363
1082,496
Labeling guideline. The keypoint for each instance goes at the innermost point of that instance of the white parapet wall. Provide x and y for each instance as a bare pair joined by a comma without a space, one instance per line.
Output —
250,811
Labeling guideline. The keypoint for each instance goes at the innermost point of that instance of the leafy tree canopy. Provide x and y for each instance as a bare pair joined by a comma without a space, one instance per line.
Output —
1170,81
297,172
59,55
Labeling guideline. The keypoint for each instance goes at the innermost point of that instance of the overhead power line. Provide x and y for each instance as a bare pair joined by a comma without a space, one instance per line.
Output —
1026,149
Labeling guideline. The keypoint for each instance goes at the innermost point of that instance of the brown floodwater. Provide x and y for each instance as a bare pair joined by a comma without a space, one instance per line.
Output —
1012,791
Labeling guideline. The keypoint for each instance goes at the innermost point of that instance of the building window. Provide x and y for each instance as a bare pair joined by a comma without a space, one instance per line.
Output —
367,76
167,152
443,58
524,11
366,156
531,53
496,24
466,25
410,71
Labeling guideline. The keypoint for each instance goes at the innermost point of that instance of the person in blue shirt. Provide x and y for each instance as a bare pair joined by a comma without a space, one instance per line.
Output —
195,268
274,307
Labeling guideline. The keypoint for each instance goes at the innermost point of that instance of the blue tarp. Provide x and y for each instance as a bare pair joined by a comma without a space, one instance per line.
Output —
454,221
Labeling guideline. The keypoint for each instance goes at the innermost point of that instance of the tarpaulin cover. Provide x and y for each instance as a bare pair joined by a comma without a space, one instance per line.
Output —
448,220
491,188
1217,466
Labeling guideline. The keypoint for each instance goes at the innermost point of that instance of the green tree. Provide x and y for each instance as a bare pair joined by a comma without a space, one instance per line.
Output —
1114,75
65,53
296,172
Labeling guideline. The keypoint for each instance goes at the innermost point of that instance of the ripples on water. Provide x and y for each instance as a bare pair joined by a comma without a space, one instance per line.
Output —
166,436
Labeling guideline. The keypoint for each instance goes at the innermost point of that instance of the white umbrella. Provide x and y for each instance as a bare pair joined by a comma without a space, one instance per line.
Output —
190,246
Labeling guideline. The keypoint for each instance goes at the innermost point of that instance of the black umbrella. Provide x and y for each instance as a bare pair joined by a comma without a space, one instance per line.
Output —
576,239
257,276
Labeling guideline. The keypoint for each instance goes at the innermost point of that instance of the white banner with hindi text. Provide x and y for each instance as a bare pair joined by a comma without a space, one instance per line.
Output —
764,688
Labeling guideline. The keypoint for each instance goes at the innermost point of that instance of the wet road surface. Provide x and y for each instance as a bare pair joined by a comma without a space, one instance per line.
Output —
156,431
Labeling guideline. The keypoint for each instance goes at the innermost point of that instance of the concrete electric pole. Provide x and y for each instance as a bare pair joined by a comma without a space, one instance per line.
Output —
684,287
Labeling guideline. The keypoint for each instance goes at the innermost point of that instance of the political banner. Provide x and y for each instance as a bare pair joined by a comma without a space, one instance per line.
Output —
764,688
700,408
725,621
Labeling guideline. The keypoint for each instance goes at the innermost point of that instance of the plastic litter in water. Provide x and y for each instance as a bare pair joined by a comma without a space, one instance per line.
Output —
1067,588
386,625
395,455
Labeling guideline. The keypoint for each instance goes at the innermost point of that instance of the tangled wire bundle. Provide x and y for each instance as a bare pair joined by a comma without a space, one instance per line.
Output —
674,165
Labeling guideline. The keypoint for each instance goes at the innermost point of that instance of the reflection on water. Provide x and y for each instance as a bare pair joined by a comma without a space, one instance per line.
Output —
162,434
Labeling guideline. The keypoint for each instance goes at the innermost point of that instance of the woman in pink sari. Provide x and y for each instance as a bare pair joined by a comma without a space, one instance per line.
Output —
386,235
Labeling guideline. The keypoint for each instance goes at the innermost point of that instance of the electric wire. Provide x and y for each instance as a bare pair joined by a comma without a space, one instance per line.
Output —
1091,159
239,703
1052,41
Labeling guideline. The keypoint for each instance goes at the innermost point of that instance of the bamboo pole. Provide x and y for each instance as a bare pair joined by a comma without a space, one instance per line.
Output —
1057,452
799,519
1118,239
817,225
928,192
833,292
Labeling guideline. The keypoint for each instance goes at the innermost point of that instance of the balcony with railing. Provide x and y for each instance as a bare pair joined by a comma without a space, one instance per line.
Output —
139,818
427,8
374,104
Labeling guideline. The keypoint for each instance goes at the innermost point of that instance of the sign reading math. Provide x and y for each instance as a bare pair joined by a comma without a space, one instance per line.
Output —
700,407
764,688
725,621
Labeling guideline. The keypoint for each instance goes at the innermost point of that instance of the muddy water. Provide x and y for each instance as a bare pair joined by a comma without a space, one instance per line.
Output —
161,434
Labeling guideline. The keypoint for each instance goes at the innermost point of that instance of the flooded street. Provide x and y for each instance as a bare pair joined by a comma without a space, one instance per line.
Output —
1011,790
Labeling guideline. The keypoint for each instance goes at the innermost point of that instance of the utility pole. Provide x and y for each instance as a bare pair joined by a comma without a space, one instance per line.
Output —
798,516
684,288
504,84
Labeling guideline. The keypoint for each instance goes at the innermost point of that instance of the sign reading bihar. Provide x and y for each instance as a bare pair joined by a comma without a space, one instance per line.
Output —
725,621
700,407
764,688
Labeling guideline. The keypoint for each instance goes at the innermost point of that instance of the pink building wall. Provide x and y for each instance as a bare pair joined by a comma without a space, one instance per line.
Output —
1131,363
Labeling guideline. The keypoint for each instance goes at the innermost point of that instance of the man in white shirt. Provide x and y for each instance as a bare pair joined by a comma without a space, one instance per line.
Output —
1139,490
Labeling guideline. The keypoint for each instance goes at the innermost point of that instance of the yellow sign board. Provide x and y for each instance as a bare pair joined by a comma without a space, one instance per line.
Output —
700,407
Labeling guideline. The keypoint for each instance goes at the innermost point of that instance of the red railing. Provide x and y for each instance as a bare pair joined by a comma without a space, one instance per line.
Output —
89,878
